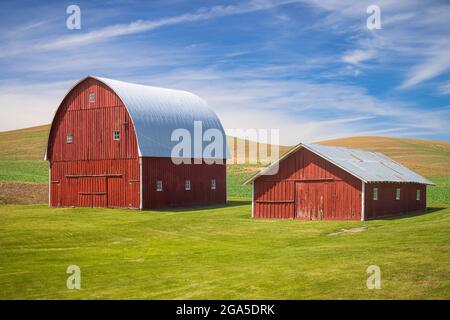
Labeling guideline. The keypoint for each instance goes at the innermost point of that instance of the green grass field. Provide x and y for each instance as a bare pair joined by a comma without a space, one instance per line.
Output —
218,253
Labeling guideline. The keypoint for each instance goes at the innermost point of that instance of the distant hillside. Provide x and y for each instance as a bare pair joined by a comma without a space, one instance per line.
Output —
22,155
427,157
24,173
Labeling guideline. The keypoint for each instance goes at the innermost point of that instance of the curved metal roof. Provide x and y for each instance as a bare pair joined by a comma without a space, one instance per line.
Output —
367,166
157,112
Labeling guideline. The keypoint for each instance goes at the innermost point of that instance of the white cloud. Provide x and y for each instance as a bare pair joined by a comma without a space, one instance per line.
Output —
444,88
148,25
358,56
436,64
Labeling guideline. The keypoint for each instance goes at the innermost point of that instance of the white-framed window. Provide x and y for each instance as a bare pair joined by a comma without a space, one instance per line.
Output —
375,193
91,97
159,185
187,185
213,184
397,194
418,194
116,135
69,138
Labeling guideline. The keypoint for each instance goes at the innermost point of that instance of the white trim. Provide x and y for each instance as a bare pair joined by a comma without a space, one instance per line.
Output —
140,183
363,195
253,200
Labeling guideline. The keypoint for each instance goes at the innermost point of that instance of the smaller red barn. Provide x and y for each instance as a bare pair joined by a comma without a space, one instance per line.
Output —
315,182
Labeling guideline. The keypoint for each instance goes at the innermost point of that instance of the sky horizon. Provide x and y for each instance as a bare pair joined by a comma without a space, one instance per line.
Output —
310,68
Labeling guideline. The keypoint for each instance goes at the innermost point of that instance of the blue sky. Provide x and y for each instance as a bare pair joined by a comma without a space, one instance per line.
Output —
310,68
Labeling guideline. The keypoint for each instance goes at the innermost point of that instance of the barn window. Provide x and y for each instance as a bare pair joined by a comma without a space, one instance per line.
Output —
187,185
159,186
375,193
91,97
116,135
418,195
397,194
213,184
69,138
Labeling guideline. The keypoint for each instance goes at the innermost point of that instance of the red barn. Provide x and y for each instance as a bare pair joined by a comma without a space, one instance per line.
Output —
314,182
111,142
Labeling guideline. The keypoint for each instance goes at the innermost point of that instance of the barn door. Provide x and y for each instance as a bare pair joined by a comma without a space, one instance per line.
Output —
93,192
309,200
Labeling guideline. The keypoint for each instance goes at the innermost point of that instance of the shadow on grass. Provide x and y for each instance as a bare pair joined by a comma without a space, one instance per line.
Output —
412,214
229,204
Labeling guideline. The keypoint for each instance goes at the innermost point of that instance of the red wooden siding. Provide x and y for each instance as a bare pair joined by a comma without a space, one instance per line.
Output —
94,170
96,183
307,187
173,178
92,125
387,205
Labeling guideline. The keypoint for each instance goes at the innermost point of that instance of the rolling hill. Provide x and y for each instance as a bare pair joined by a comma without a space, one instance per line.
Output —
23,170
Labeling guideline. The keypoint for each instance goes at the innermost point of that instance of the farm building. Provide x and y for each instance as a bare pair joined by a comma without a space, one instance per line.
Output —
110,145
314,182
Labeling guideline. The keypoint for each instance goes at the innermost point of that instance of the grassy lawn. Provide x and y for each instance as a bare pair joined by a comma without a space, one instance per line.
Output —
218,253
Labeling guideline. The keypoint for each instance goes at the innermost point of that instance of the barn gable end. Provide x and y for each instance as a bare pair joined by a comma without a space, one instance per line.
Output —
302,175
109,146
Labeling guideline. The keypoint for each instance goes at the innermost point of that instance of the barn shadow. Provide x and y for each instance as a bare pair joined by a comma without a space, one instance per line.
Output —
229,204
412,214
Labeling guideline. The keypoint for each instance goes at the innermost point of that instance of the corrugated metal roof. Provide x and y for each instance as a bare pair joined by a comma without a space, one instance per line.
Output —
157,112
366,165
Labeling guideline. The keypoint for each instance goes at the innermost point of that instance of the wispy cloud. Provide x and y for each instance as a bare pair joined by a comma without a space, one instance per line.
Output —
148,25
437,63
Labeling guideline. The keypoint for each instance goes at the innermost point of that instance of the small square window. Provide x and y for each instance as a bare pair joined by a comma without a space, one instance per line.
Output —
69,138
187,185
397,194
159,185
418,195
375,193
213,184
91,97
116,135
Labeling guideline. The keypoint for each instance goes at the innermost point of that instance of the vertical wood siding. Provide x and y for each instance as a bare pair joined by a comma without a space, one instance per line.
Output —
308,187
387,205
92,125
96,183
95,170
173,178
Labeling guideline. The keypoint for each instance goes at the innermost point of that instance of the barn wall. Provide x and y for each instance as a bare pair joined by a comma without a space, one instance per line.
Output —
92,125
386,205
300,176
173,178
96,183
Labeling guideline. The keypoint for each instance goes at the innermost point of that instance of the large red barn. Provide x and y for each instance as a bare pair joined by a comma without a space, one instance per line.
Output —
315,182
110,145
